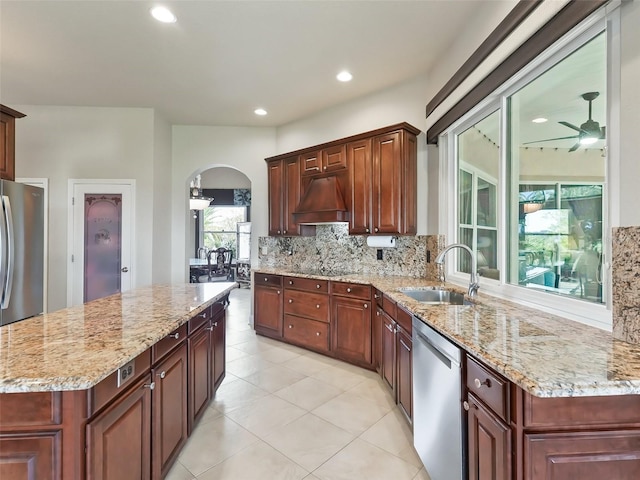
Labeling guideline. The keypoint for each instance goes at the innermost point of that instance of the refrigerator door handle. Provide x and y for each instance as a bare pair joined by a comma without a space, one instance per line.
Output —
9,248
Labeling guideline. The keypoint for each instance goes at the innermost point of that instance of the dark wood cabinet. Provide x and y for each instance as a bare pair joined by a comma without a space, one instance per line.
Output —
218,355
389,351
306,313
8,142
404,386
377,171
169,401
199,347
489,441
376,341
119,438
351,329
31,455
268,305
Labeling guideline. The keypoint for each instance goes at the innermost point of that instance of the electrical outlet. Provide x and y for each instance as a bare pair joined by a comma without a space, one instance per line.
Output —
379,254
264,250
428,256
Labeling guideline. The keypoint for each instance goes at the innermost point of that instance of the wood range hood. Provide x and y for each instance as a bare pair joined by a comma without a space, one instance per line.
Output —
322,202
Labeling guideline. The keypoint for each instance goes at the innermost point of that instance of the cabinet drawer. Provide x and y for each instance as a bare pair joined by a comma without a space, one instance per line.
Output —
489,387
309,284
108,388
168,343
307,304
403,318
268,280
307,333
389,306
352,290
200,319
30,408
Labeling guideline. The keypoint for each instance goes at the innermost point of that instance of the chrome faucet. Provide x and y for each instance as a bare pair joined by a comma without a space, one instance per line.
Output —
473,280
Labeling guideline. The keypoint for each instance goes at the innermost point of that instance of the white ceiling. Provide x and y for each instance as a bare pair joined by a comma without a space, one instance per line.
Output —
222,59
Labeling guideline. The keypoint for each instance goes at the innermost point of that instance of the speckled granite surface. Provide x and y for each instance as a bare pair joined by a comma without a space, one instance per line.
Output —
546,355
333,250
625,282
75,348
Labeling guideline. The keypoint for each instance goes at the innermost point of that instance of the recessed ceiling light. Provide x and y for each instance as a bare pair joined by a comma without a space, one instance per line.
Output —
260,111
163,14
344,76
539,120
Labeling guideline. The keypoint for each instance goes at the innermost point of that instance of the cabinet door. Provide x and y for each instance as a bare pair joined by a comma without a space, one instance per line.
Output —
119,439
409,221
377,340
359,161
267,311
311,163
334,158
405,365
389,351
199,350
169,423
33,455
351,329
7,146
582,455
276,193
489,444
292,186
218,356
387,183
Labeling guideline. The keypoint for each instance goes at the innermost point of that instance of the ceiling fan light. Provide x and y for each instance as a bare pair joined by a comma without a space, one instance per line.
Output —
588,140
199,203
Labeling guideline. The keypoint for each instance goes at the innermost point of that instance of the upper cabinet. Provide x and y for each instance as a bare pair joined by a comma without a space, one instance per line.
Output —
376,173
8,142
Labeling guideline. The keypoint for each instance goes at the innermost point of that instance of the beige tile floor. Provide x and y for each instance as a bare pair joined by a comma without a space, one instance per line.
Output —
287,413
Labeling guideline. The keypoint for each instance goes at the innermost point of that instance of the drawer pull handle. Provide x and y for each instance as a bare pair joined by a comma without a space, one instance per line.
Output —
390,328
318,286
174,335
215,324
203,315
150,386
479,384
348,290
407,348
162,374
211,328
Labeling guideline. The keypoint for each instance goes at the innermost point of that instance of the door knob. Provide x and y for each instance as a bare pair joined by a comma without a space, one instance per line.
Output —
124,269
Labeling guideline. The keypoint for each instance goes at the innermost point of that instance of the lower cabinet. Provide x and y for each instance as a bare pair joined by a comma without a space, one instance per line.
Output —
119,438
30,455
268,311
404,383
388,351
351,330
169,401
218,354
489,441
199,346
308,333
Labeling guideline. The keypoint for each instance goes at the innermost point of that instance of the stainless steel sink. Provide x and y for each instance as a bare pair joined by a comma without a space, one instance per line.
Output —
436,296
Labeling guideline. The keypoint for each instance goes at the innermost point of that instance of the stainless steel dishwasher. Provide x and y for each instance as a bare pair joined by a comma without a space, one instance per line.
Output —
437,408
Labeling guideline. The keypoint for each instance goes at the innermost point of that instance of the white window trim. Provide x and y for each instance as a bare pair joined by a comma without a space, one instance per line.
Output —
575,309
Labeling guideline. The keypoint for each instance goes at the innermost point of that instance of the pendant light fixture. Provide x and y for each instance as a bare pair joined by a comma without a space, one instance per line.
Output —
196,200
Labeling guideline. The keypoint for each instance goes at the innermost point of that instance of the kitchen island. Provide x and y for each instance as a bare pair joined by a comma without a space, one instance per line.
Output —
107,378
544,397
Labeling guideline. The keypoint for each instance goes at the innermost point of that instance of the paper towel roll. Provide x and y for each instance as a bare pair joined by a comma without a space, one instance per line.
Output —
382,241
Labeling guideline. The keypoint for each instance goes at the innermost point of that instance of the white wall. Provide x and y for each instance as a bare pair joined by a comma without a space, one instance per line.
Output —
161,242
198,148
223,177
630,115
59,143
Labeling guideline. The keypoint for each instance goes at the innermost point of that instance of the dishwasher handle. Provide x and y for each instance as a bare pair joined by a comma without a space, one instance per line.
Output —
442,356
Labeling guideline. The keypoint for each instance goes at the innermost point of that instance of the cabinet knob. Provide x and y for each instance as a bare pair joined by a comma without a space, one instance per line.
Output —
150,386
366,306
348,290
290,326
278,232
366,230
375,295
174,335
378,314
278,292
290,301
317,334
215,324
266,279
285,232
375,229
318,286
290,282
465,405
162,374
325,167
318,306
210,328
479,384
317,168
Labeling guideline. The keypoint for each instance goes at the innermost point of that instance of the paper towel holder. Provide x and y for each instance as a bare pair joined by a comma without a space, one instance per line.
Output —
382,241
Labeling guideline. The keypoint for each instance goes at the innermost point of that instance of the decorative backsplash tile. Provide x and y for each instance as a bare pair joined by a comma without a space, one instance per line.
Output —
625,282
333,250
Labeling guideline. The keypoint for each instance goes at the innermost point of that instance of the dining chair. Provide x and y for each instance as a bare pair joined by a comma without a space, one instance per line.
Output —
219,266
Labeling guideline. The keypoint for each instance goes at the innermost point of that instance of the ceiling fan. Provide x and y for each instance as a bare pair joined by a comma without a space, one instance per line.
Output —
588,133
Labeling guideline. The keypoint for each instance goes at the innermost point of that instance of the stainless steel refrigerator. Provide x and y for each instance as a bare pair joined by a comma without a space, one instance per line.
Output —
21,251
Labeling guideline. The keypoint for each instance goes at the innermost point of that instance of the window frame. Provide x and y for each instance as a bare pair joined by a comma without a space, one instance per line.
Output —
599,315
232,233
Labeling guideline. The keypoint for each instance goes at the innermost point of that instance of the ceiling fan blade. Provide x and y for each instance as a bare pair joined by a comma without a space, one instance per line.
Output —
603,132
550,139
567,124
575,147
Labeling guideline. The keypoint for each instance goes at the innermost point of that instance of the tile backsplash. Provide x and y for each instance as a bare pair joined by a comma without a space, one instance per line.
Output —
625,283
333,250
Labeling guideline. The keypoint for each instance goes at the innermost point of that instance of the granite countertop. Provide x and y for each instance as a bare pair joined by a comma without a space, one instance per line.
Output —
546,355
75,348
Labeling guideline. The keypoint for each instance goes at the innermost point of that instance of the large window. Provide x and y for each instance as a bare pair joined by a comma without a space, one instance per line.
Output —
529,166
220,227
